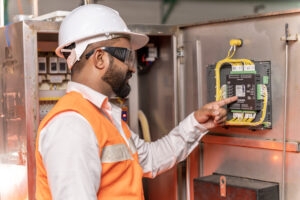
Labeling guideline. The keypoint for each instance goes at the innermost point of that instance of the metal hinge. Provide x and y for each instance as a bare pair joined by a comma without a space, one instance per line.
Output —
180,52
289,37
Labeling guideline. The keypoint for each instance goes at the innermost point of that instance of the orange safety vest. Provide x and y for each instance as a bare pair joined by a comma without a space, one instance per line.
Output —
121,176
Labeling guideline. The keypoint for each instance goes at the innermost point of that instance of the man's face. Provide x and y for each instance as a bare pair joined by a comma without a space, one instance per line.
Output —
118,73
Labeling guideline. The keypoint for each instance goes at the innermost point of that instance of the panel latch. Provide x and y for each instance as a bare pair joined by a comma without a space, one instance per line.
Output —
223,186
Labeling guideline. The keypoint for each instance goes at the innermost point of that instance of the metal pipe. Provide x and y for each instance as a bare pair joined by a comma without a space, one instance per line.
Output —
35,8
180,98
199,96
188,174
285,110
181,103
199,72
175,77
181,109
87,2
181,84
175,89
1,13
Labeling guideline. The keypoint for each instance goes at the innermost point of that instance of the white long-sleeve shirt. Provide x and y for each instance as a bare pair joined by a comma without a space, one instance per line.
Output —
70,151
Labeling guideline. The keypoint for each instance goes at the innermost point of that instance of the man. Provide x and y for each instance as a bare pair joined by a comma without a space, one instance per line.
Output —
83,148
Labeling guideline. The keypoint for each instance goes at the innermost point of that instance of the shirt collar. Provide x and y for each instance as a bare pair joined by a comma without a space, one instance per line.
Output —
88,93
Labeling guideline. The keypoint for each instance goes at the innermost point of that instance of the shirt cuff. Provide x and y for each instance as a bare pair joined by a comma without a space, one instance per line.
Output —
196,124
192,129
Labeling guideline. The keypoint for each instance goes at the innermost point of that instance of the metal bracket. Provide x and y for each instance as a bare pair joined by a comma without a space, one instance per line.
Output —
180,52
290,37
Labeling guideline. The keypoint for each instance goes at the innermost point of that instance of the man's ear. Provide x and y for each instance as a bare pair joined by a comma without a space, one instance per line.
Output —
98,59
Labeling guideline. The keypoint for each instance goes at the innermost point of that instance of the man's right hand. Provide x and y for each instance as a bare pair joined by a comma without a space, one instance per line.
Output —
212,114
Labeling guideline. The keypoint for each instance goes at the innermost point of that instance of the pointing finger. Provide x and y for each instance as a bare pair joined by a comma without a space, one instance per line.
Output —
226,101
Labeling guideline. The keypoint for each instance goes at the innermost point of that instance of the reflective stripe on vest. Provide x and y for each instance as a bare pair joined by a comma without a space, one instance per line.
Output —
118,152
115,153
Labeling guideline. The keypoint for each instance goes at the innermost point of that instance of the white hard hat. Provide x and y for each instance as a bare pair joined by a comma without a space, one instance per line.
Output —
93,23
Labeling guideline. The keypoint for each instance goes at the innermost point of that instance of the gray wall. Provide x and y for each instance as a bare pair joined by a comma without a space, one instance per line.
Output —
149,11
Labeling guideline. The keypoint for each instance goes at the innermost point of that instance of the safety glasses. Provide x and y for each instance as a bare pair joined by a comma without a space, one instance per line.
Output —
125,55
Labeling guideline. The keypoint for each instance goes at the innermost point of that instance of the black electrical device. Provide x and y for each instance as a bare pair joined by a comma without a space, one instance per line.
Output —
253,109
244,86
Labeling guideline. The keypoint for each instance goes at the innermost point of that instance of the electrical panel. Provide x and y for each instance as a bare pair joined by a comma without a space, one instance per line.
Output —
251,84
54,76
53,73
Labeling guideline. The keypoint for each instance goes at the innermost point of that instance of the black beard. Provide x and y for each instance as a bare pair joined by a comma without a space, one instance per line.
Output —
116,80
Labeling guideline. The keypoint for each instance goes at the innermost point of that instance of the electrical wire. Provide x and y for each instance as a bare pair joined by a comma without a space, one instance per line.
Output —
219,91
217,71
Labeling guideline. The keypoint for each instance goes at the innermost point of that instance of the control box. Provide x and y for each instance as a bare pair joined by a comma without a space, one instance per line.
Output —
252,86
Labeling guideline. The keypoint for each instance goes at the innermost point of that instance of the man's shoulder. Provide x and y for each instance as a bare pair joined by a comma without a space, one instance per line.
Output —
68,118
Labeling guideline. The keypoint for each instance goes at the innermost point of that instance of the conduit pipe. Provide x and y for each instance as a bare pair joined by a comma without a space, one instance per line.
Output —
35,8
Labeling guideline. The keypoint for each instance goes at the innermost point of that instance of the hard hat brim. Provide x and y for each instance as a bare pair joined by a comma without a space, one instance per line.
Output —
137,41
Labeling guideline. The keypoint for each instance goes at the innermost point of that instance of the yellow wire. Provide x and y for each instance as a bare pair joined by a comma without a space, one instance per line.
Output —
233,119
217,71
233,52
228,54
250,120
238,122
221,91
